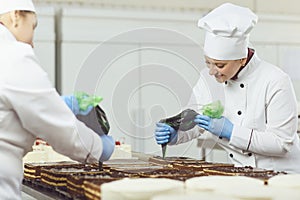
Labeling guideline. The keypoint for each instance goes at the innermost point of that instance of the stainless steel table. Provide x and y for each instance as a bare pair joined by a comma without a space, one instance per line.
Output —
33,194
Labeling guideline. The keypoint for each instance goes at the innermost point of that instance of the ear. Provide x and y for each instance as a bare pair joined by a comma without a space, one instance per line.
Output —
15,17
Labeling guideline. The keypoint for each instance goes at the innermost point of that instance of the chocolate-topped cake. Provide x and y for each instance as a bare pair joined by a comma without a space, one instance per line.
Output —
234,171
186,163
92,188
264,176
33,170
200,165
136,169
75,182
128,161
80,181
112,165
170,160
57,177
171,173
130,166
247,171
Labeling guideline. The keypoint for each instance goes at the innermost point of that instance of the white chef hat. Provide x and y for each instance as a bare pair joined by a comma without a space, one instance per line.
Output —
10,5
227,31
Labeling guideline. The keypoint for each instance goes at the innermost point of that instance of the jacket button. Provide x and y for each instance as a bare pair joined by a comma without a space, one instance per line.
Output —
231,155
249,154
242,85
239,112
220,137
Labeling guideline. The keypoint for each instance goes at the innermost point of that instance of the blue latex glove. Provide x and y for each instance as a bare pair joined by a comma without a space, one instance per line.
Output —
72,103
221,127
165,134
108,147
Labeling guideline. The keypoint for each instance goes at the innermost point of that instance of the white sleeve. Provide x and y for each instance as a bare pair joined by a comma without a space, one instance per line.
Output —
185,136
200,96
28,92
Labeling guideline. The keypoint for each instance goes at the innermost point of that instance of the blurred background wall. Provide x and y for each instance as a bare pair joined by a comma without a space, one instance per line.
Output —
145,56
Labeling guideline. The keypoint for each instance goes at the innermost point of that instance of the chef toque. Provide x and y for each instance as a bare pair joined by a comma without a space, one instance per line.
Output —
227,31
11,5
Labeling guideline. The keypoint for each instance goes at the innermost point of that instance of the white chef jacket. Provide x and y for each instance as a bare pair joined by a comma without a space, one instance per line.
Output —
262,105
30,107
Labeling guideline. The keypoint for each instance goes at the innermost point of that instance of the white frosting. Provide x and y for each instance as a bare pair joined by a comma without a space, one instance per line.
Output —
192,197
259,193
283,193
291,181
213,183
44,153
249,192
140,188
240,187
35,156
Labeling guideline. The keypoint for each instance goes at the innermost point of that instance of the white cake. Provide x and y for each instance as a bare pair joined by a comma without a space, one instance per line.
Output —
241,187
140,188
249,192
291,181
42,152
35,156
192,197
284,193
210,184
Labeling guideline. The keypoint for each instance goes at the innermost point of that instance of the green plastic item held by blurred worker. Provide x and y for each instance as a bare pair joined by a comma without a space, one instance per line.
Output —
213,110
85,100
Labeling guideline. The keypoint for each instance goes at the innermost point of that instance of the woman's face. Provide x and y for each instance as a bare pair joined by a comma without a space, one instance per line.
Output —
223,70
23,25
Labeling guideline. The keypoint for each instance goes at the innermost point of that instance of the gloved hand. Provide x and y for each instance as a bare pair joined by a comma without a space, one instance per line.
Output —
108,147
221,127
72,103
165,134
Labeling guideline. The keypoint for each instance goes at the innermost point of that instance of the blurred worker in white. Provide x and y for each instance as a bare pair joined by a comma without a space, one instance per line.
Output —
259,125
30,107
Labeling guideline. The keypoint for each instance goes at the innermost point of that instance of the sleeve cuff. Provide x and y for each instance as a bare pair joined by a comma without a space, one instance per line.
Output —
90,142
185,136
241,137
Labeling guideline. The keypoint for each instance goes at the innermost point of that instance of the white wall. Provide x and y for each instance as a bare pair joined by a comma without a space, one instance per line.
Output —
260,6
142,63
135,56
44,40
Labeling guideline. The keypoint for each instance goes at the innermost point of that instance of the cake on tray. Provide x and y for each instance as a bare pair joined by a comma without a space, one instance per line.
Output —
200,166
135,170
170,160
57,177
92,188
75,183
212,183
33,170
171,173
43,152
140,188
243,171
78,181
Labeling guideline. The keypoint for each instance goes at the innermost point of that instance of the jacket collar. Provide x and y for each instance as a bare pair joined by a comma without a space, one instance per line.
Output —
251,66
5,34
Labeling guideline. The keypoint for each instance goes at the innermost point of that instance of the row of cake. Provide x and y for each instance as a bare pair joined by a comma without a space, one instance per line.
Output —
80,181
